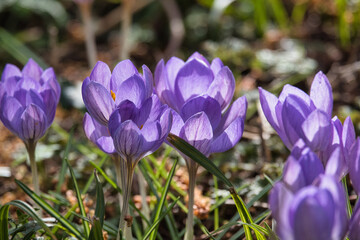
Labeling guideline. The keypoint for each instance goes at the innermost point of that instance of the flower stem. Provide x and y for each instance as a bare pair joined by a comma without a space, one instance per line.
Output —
189,233
126,229
142,187
30,147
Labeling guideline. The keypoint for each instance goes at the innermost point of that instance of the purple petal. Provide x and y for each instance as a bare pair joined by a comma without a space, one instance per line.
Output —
166,120
33,123
28,83
128,111
132,89
290,90
128,140
172,68
122,71
223,87
216,65
194,78
106,144
293,175
114,121
49,82
197,131
101,74
313,214
236,110
98,102
151,132
148,80
321,93
163,88
204,104
32,69
354,166
318,130
10,71
177,123
268,103
348,134
199,57
280,200
311,166
354,227
10,113
156,108
229,137
336,164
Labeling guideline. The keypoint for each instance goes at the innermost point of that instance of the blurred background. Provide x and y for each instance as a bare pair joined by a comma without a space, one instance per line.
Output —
267,43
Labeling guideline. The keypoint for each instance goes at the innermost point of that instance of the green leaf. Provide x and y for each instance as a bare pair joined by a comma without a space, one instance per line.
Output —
160,205
99,210
243,212
197,156
96,230
47,208
17,49
28,210
80,200
156,223
4,214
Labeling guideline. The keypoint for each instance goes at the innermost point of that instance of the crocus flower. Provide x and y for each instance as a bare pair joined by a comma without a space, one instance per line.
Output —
28,101
354,166
200,94
297,115
125,119
317,211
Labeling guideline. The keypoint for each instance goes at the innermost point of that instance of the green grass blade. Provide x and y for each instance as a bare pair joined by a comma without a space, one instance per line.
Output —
198,157
28,210
17,49
80,201
47,208
96,230
156,223
163,198
4,213
243,212
99,211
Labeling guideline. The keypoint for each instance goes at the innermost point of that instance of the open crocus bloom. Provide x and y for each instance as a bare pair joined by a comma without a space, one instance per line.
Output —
103,91
314,212
28,100
200,94
297,115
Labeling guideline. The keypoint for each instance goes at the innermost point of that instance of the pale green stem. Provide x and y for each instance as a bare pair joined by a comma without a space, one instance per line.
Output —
30,146
144,206
118,169
85,9
125,29
126,228
192,169
216,210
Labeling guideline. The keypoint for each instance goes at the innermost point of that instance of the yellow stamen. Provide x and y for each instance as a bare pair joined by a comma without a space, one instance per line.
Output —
141,127
112,94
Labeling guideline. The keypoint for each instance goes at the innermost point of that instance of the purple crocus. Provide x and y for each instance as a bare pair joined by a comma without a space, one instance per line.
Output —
297,115
354,226
28,100
354,165
317,211
200,94
125,119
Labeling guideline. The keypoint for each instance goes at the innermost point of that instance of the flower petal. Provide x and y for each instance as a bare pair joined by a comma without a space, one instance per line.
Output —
223,87
101,74
197,131
354,165
293,175
148,80
122,71
132,89
151,132
32,69
348,134
177,123
172,68
48,78
98,102
336,164
10,71
199,57
205,104
311,166
33,123
317,130
10,114
321,93
216,65
228,138
268,103
194,78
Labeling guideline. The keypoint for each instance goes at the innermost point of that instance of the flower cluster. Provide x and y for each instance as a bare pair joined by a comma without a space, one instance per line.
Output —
309,202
